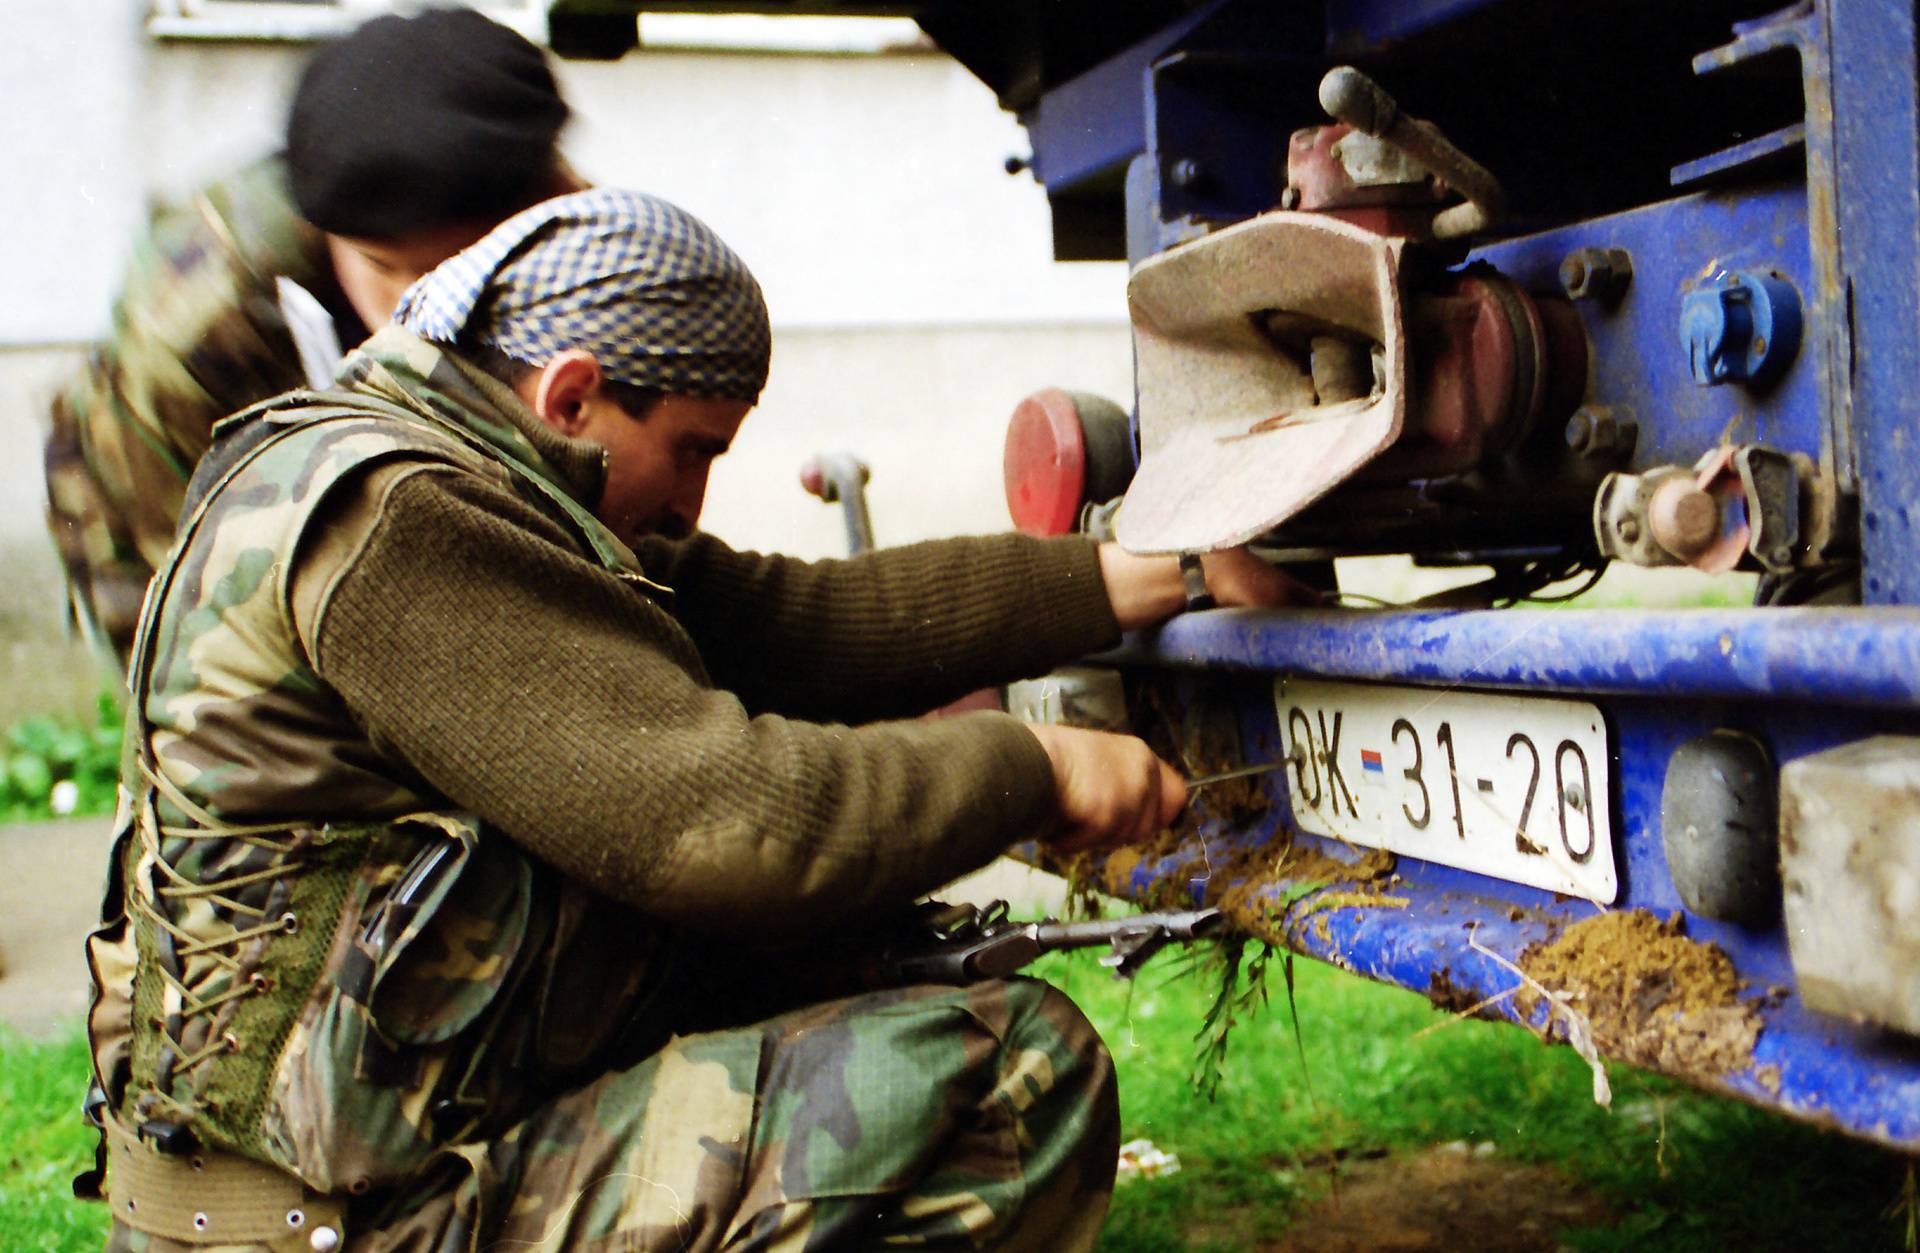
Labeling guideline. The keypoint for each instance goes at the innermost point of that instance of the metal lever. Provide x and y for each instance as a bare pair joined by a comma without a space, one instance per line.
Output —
841,478
1351,97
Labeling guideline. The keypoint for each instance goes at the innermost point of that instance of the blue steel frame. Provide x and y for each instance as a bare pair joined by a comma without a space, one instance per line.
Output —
1847,236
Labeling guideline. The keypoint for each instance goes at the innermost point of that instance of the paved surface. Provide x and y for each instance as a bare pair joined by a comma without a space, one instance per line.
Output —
51,875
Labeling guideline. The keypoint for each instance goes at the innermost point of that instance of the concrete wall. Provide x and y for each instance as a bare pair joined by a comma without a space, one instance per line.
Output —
864,191
913,296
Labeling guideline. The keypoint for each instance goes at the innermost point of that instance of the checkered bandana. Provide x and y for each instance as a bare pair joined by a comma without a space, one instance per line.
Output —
658,298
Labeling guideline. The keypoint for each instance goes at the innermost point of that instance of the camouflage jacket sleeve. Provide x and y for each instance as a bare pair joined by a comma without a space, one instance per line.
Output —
889,633
196,334
564,706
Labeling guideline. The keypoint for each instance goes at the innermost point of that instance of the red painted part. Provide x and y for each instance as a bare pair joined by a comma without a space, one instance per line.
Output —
1045,464
1465,351
1408,221
1566,356
812,480
1314,173
1324,185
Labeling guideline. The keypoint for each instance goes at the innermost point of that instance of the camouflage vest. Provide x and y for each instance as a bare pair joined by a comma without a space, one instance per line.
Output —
354,976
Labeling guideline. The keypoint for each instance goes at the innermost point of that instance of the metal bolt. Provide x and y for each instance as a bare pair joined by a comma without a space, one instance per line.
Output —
1580,431
1290,198
1600,431
1576,796
1629,530
1574,275
1596,273
1185,172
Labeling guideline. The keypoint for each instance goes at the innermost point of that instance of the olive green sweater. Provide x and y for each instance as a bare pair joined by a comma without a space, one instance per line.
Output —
723,757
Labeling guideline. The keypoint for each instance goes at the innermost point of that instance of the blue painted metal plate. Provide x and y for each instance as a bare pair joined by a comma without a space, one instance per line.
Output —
1638,358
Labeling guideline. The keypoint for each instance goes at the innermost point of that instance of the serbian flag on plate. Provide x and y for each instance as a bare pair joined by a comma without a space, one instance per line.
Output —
1370,760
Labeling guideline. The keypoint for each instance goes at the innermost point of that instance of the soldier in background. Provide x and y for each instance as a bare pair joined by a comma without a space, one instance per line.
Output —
407,140
496,847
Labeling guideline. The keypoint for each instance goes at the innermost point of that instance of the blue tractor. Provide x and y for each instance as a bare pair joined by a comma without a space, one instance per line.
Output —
1538,288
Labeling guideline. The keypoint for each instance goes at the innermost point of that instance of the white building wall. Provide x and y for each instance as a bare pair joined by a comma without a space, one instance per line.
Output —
913,297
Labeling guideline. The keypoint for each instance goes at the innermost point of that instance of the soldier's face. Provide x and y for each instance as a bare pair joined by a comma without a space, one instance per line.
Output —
657,465
374,273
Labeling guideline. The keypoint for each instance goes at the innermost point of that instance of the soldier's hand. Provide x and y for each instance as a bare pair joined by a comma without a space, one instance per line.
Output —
1110,789
1238,579
1145,590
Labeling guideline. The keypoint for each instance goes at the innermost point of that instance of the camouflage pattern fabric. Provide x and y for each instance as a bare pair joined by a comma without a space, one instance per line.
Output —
329,997
197,334
307,964
945,1118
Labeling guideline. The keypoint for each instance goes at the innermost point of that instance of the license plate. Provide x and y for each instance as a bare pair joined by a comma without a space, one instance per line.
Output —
1515,787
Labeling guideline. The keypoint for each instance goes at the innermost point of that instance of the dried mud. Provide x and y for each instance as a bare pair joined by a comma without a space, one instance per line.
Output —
1653,996
1233,866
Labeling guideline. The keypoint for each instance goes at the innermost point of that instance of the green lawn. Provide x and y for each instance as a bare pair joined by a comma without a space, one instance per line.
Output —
43,1145
1680,1170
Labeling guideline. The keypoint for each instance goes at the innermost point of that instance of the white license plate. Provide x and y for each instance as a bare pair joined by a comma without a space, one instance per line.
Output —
1515,787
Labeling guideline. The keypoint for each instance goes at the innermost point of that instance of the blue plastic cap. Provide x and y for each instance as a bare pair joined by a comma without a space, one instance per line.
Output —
1744,326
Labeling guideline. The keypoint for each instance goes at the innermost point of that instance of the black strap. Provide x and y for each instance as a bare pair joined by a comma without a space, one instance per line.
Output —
1194,576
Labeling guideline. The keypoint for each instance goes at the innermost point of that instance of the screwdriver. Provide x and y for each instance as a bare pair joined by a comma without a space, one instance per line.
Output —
1240,772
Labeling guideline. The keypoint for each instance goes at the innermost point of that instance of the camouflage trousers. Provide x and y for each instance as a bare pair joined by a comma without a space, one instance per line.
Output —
937,1118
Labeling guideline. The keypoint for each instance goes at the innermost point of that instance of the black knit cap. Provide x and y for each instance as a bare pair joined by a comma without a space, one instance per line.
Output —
422,121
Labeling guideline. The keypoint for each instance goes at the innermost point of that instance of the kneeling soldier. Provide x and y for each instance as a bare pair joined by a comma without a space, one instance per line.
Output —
487,829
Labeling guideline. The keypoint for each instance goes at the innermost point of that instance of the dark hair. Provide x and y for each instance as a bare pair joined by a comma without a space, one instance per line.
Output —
635,402
423,121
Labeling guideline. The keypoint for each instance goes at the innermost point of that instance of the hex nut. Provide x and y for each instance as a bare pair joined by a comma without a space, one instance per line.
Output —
1596,273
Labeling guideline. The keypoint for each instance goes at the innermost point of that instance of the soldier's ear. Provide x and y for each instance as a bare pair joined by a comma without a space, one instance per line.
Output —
562,389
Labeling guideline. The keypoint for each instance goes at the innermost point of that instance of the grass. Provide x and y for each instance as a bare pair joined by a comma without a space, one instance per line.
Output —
43,1145
55,767
1681,1170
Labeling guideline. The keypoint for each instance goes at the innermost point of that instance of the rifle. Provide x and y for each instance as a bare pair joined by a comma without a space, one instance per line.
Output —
961,944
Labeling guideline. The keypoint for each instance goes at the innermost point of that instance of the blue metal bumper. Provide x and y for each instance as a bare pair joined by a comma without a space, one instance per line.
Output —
1832,656
1800,680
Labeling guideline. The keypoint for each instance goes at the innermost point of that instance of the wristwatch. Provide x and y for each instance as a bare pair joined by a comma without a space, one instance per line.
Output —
1195,579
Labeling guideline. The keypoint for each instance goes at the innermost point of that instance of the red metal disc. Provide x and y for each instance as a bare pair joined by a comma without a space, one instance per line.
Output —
1046,463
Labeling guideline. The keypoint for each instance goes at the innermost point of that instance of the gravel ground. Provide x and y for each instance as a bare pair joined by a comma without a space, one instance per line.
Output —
51,874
